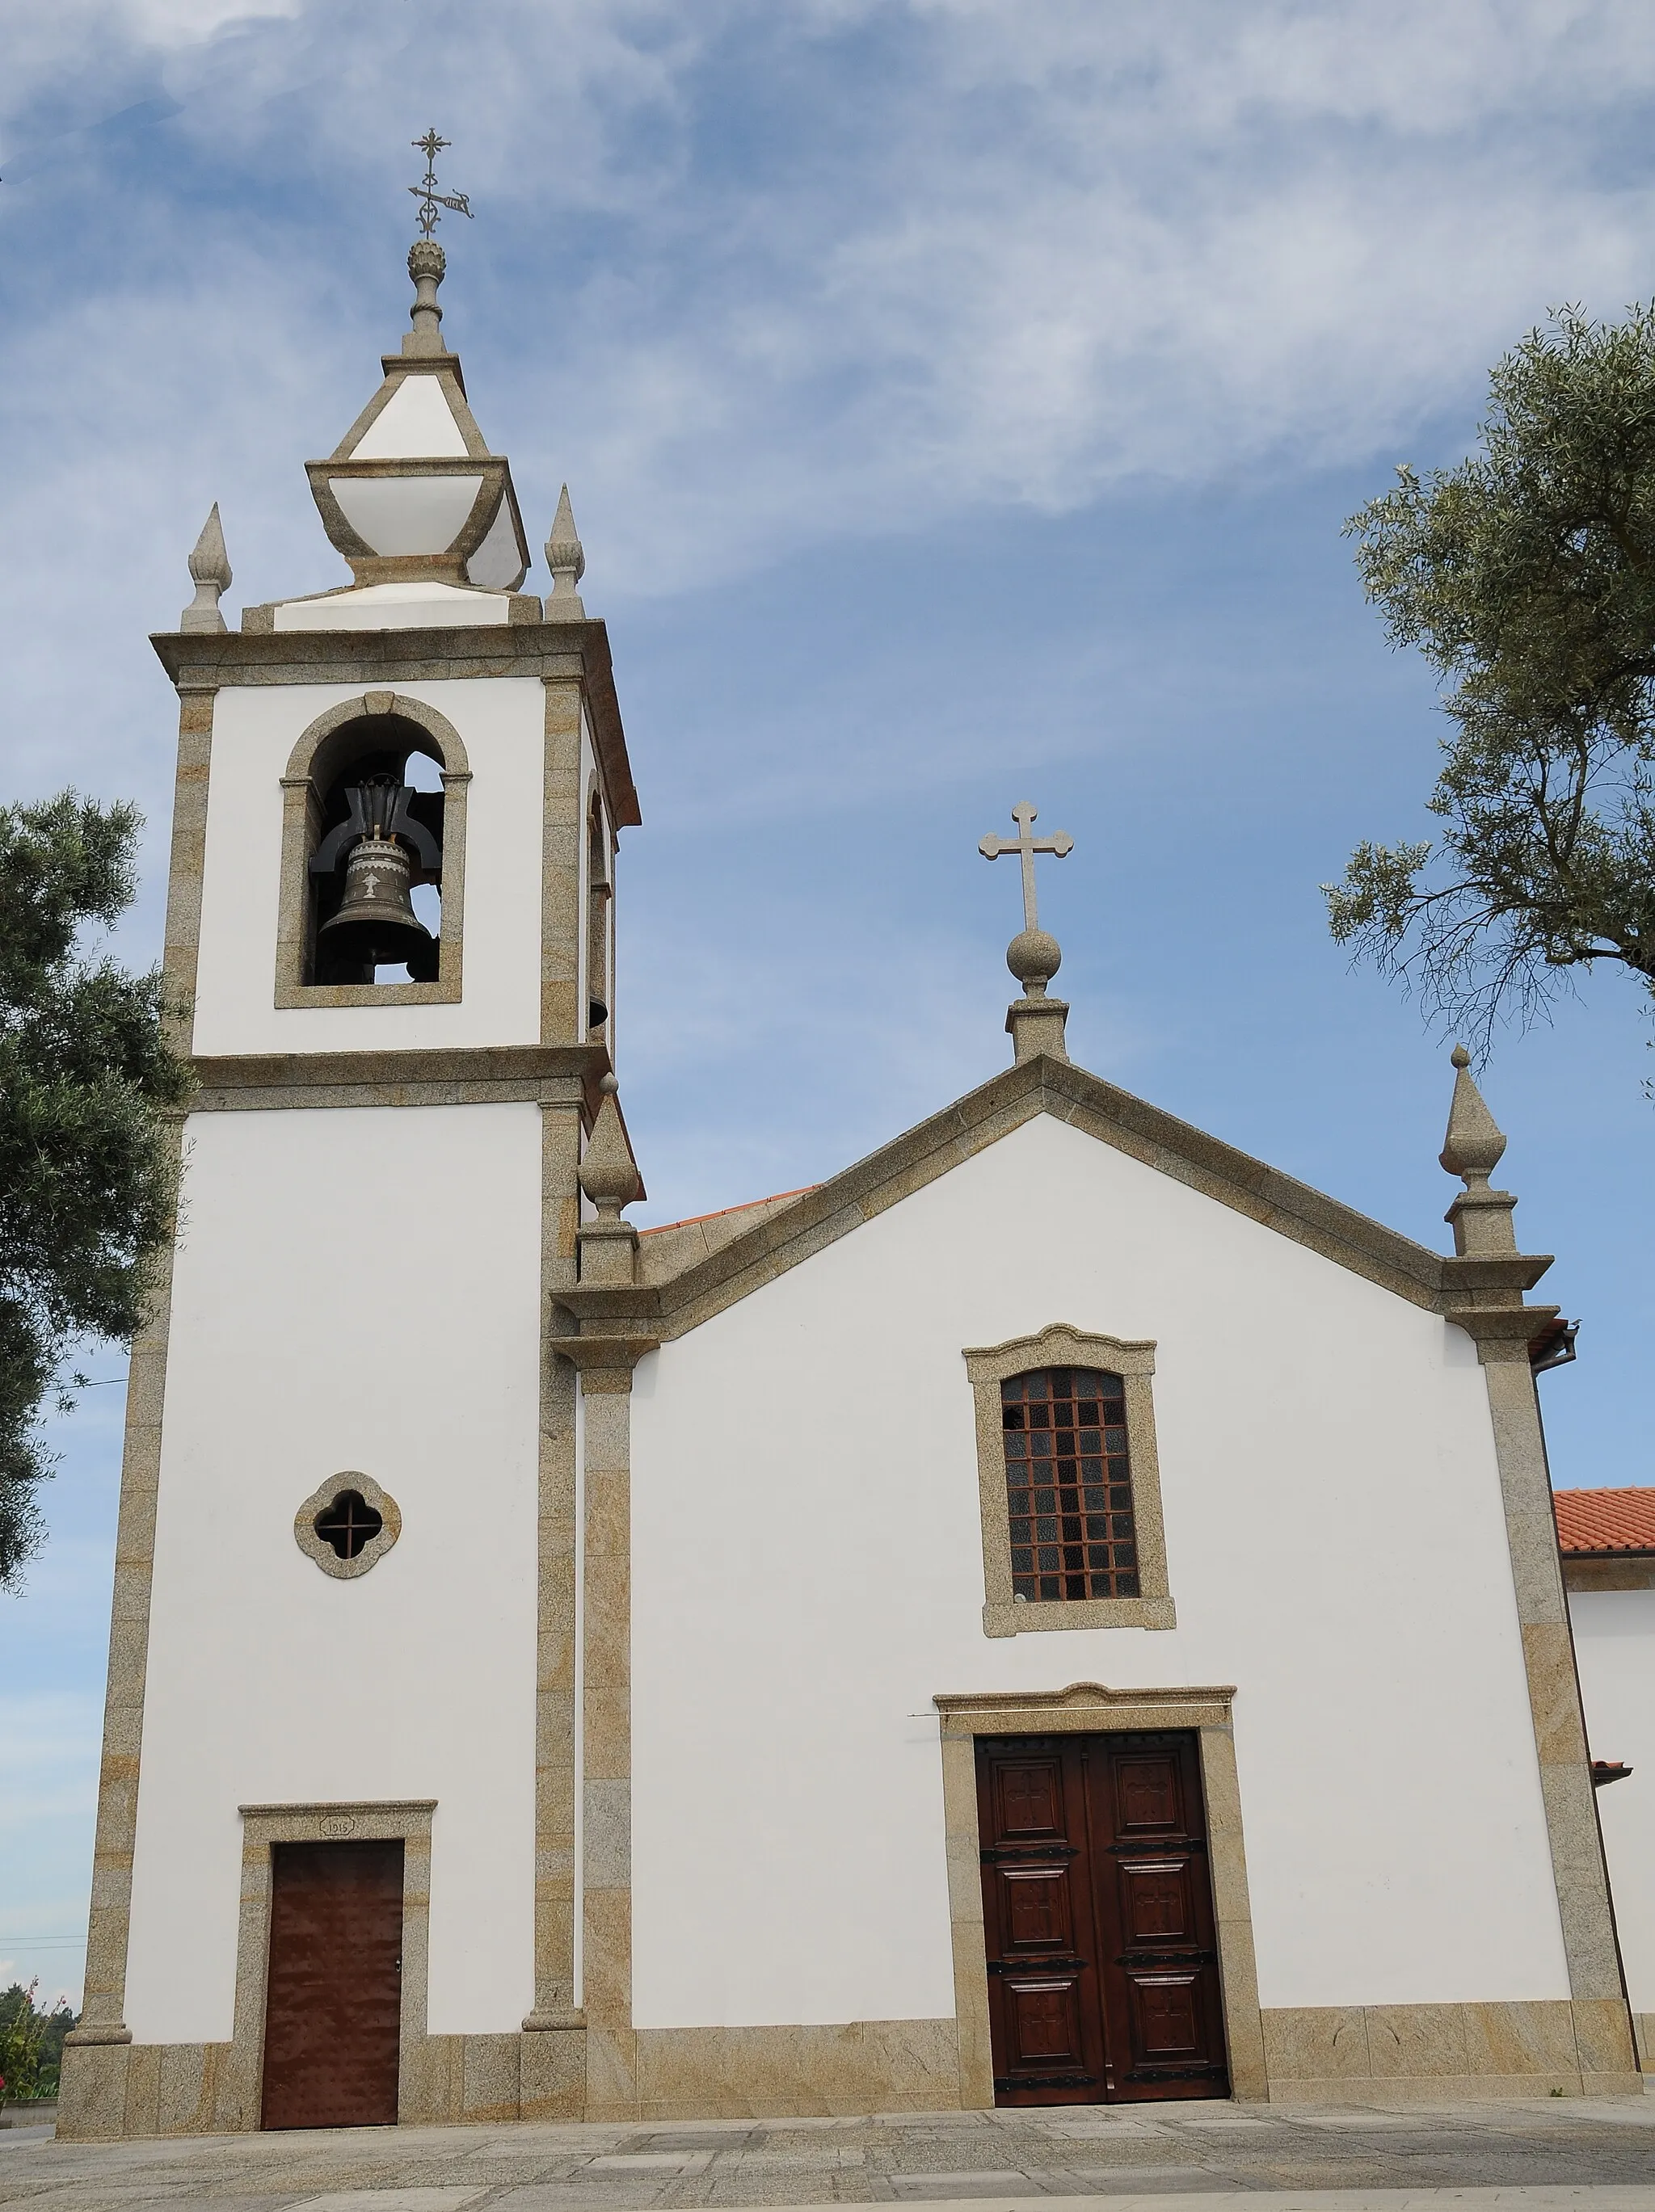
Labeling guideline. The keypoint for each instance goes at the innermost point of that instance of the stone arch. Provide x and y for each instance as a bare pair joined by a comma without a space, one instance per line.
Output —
322,748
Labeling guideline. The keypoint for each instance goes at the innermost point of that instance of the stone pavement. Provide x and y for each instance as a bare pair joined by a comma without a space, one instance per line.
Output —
1562,2155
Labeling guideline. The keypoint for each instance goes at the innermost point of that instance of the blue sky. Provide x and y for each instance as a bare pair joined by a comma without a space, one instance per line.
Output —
960,400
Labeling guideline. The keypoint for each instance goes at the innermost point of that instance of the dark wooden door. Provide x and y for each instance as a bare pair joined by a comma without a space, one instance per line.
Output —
1044,2011
333,2007
1098,1910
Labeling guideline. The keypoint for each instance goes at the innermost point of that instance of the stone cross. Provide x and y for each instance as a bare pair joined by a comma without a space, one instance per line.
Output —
1026,845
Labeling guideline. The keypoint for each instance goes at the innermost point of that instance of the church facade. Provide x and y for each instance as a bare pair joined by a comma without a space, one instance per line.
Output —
1059,1613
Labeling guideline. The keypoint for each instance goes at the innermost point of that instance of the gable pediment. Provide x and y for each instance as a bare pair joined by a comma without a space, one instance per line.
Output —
672,1299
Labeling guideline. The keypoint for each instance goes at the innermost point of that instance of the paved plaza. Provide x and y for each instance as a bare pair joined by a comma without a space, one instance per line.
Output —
1595,2155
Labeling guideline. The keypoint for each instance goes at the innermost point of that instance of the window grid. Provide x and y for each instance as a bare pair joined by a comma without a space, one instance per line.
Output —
349,1524
1068,1482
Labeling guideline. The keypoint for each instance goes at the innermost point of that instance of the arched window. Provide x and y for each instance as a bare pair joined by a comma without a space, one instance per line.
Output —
1068,1483
372,858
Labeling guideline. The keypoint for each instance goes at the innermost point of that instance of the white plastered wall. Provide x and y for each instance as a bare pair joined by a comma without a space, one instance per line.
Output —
807,1572
355,1289
1614,1650
501,723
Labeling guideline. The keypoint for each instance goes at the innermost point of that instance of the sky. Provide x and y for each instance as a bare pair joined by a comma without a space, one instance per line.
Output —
960,401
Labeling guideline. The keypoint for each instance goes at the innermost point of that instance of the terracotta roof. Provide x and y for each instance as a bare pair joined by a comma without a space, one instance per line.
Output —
746,1206
1605,1520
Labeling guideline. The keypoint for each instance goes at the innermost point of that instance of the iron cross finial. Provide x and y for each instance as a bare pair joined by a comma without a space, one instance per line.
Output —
1025,845
426,192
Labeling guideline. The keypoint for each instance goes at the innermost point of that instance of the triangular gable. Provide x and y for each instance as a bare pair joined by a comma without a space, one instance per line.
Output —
819,1217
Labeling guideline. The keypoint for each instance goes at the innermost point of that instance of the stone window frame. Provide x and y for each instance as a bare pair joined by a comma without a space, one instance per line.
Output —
406,1821
323,1553
302,824
1060,1345
1092,1709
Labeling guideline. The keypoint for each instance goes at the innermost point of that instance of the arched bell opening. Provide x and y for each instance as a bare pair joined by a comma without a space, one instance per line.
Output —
375,874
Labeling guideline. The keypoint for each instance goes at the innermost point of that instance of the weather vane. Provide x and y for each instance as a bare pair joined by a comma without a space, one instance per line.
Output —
426,192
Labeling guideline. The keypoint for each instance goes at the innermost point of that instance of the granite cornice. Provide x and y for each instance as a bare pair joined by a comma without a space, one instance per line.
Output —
607,729
555,651
1493,1278
600,1304
1145,1133
450,1075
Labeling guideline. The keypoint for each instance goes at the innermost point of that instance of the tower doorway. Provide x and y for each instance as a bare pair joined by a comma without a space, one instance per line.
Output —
1098,1914
333,2006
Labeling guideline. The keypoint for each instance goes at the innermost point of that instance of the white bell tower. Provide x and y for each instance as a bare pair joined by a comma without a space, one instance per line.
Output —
345,1598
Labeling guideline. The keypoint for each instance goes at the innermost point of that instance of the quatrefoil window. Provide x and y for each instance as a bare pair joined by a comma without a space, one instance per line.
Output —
348,1525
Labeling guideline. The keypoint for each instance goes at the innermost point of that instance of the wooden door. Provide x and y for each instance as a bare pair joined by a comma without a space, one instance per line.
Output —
333,2006
1045,2011
1098,1911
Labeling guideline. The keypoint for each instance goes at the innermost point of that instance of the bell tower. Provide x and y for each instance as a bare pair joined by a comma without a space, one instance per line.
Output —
346,1581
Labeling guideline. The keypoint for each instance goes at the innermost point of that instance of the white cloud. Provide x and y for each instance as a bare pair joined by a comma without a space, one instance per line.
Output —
754,277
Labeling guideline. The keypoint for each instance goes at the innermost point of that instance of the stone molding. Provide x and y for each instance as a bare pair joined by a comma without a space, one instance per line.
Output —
323,1554
453,1075
1127,1124
563,652
1058,1345
309,765
1392,2057
407,1820
1631,1573
1092,1709
611,2088
397,367
85,2098
1404,2055
1579,1868
494,487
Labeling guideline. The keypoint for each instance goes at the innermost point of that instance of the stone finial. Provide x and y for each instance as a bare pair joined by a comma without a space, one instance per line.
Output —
609,1174
1034,957
609,1178
1474,1145
1035,1023
1481,1218
428,265
210,573
566,558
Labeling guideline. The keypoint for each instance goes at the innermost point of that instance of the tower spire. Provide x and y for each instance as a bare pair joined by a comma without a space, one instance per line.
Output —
427,262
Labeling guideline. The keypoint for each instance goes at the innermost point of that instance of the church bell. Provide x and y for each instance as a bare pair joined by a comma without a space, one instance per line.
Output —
376,925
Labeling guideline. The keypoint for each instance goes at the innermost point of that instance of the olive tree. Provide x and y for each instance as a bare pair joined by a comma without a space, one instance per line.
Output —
88,1081
1526,575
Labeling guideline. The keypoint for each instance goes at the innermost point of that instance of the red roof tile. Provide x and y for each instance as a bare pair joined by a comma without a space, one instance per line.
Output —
746,1206
1605,1520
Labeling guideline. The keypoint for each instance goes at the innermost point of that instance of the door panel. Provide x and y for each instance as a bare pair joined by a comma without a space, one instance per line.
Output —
1102,1954
1042,1974
1163,2010
333,2007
